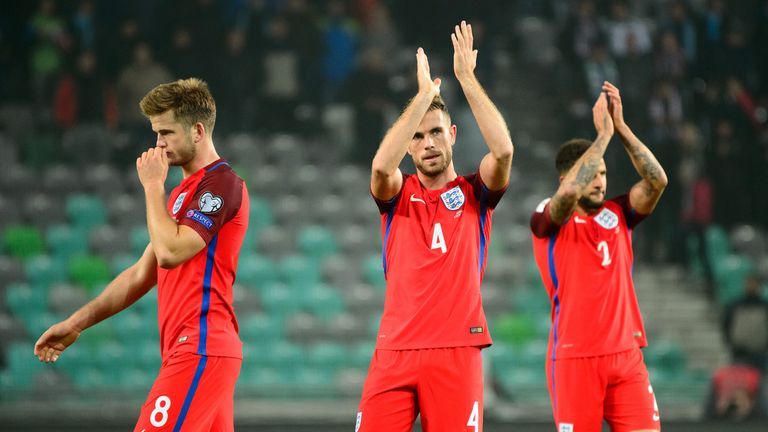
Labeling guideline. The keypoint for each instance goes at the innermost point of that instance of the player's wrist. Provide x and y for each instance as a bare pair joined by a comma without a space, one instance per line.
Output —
154,187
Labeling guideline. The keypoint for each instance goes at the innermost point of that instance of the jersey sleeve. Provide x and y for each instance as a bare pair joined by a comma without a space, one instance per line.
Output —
216,201
631,215
386,206
541,222
481,190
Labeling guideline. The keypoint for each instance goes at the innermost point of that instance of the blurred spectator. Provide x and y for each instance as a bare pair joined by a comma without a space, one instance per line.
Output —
84,26
670,63
636,68
580,33
735,59
236,85
307,39
599,67
49,43
369,93
745,327
379,34
696,209
340,33
183,57
280,69
683,26
726,165
735,394
621,25
84,96
135,81
118,47
761,48
665,109
715,24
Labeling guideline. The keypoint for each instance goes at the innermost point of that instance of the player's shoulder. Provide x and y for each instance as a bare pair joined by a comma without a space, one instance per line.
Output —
222,173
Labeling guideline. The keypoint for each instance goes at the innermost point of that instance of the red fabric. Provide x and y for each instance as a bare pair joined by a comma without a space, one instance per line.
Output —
731,379
212,395
195,311
434,259
586,267
444,385
700,210
65,103
614,387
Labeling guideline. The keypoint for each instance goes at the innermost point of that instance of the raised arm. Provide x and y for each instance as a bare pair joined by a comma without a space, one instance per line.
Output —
495,166
578,178
386,178
123,291
646,193
173,243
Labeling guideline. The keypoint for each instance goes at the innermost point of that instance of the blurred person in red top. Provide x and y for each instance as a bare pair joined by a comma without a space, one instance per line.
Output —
195,238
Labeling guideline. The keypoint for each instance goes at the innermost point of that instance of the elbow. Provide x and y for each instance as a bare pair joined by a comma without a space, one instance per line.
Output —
167,260
506,153
662,181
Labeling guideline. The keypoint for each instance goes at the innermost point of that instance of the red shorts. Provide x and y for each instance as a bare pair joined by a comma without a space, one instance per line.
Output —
193,391
444,385
614,387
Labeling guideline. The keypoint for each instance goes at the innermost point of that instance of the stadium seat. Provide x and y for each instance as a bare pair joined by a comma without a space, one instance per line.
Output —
328,355
64,299
66,241
86,211
44,270
89,271
260,330
22,365
666,356
373,271
22,242
256,272
360,355
40,149
139,240
278,299
24,300
121,262
323,301
515,329
107,241
316,242
341,270
299,272
730,272
261,214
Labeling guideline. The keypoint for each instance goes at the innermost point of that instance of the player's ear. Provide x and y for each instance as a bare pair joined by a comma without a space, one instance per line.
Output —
198,132
452,130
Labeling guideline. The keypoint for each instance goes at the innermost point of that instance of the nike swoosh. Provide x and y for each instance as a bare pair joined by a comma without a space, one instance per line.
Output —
414,199
579,220
656,417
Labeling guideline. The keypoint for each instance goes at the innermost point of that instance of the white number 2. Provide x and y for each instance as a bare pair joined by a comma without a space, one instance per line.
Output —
603,247
474,418
162,405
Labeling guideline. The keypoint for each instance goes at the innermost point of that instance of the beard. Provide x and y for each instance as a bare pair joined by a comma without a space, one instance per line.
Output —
184,154
588,203
434,170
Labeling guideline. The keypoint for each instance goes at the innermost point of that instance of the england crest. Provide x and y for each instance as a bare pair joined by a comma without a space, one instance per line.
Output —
453,199
178,203
607,219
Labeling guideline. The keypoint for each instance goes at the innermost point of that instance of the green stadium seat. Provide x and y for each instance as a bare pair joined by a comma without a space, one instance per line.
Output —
323,301
44,270
66,241
135,380
730,273
131,328
284,354
373,271
328,355
278,299
317,242
258,330
361,354
666,356
256,272
86,211
121,262
531,300
311,382
174,178
261,214
299,272
23,366
718,246
23,242
40,149
139,240
89,271
148,354
515,329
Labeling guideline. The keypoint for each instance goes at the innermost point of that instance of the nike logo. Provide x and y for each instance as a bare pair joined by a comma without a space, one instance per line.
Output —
579,220
656,417
414,199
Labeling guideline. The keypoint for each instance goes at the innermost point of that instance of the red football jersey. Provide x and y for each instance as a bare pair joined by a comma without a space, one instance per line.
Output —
434,246
586,266
195,311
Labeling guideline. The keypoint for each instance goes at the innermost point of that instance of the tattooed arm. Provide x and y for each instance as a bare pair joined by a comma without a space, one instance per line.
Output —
577,180
646,193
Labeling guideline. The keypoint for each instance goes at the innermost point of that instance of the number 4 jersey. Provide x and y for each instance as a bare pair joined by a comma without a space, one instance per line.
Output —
586,266
434,246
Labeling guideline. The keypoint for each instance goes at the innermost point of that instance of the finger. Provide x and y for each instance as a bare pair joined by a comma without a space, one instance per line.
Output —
608,84
470,36
465,34
459,36
455,42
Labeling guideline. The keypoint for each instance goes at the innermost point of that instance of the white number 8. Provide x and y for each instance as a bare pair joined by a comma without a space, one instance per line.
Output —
162,405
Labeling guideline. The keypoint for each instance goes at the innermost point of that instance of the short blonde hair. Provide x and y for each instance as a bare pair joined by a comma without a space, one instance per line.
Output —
189,99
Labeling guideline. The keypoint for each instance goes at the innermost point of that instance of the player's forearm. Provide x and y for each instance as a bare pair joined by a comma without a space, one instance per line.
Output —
490,121
586,167
644,161
122,292
163,231
394,146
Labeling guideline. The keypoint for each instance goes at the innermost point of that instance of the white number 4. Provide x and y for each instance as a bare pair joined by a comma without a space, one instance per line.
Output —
603,247
438,240
474,418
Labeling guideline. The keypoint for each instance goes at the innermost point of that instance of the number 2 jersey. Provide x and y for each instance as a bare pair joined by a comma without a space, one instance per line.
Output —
586,267
434,246
195,311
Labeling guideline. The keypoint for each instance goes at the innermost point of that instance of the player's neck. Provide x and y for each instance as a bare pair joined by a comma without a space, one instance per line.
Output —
439,181
585,211
206,155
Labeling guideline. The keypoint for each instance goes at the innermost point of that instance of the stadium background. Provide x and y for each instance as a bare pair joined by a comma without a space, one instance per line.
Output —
305,90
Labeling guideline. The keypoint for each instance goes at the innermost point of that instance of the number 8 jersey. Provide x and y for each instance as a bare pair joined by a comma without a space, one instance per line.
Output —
586,266
434,249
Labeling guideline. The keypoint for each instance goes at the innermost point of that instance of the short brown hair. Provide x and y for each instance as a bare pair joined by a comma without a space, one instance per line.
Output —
569,153
437,104
189,99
